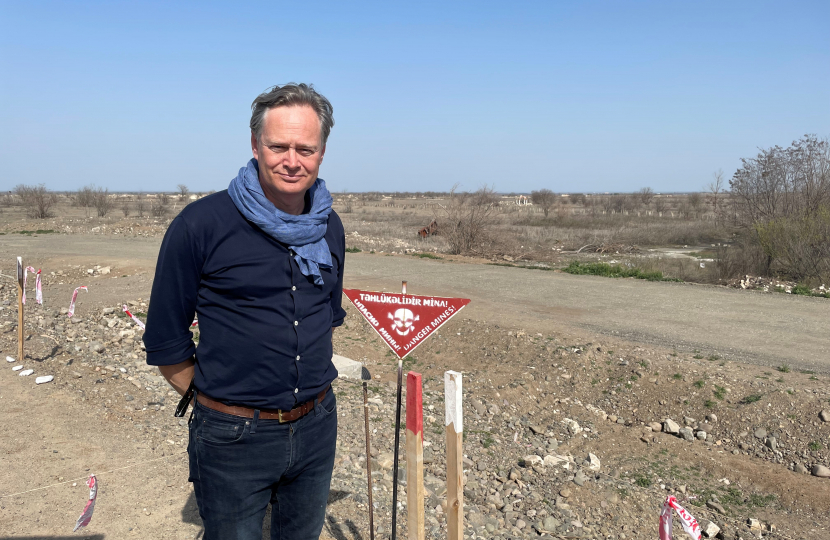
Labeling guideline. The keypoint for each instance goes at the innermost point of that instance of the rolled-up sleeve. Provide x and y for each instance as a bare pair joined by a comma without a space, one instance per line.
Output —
167,338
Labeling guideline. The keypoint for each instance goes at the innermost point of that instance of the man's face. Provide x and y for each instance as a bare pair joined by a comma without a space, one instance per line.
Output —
289,152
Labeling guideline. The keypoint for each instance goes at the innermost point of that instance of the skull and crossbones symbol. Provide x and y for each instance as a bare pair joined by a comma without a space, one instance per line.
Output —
403,321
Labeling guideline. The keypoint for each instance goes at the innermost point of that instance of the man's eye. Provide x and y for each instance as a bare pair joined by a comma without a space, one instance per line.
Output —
278,148
306,152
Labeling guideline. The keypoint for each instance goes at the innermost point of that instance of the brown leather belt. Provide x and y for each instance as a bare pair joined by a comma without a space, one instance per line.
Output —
264,414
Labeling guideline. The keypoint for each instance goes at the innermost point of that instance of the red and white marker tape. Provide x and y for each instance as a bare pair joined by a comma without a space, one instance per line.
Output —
141,324
133,317
686,519
86,516
38,287
75,297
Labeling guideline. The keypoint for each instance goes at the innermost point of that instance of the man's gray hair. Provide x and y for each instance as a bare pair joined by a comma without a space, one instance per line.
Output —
289,95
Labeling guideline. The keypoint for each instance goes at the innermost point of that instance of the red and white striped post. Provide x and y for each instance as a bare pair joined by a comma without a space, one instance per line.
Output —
415,456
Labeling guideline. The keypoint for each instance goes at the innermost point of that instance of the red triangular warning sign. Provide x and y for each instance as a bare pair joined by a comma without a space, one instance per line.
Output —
404,321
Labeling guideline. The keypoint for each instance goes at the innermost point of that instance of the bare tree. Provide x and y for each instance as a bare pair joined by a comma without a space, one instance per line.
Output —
140,204
695,201
783,182
715,188
467,217
782,199
36,200
544,198
126,209
161,206
646,195
659,205
183,191
84,197
618,203
102,202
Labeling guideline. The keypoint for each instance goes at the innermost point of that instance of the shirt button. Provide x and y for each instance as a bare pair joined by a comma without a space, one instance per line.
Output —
298,357
293,287
296,390
296,323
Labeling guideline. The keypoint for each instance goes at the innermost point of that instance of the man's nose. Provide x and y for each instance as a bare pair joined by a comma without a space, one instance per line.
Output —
292,159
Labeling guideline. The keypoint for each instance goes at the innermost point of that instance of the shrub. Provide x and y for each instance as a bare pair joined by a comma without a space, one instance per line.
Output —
140,205
467,218
798,246
161,206
84,197
36,200
544,198
102,202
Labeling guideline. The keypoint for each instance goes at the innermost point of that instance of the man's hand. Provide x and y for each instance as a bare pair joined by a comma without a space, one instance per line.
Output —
179,375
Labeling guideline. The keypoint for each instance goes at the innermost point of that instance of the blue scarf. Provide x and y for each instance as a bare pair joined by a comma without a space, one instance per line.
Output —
305,234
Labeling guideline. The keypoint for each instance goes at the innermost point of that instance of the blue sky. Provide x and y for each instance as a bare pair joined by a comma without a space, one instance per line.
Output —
570,96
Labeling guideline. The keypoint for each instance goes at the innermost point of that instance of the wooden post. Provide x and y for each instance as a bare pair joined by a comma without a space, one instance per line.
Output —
397,447
20,309
415,456
455,453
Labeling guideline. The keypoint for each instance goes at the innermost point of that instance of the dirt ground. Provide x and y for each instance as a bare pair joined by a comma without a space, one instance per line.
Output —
537,349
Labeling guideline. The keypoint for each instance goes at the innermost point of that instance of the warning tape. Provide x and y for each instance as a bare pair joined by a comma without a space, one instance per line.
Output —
711,515
97,474
74,297
133,317
38,288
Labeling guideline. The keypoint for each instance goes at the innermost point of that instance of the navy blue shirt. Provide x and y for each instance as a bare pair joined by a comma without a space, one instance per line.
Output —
265,329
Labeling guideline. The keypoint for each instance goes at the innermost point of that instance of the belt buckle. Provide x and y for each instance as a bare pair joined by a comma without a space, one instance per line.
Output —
279,415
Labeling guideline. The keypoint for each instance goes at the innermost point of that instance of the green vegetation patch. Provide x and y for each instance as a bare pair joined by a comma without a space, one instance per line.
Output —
615,271
427,256
525,266
39,231
353,250
751,398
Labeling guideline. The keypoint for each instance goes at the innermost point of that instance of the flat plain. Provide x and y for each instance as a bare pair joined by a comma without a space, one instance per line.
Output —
540,350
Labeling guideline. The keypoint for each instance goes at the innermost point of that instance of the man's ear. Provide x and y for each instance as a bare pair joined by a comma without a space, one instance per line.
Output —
322,153
254,146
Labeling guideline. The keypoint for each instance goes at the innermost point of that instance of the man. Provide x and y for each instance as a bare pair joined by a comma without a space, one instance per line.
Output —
262,265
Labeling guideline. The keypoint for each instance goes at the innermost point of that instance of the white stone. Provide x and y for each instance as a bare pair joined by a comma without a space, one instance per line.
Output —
534,460
26,372
346,367
553,460
44,379
709,529
670,426
593,462
573,426
9,359
17,368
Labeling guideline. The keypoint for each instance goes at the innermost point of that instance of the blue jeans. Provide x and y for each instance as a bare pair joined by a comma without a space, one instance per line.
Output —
238,465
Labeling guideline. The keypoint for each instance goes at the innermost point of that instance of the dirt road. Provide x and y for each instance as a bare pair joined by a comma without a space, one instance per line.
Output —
764,329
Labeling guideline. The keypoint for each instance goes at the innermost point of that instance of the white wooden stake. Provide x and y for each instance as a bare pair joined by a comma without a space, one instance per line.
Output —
455,453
